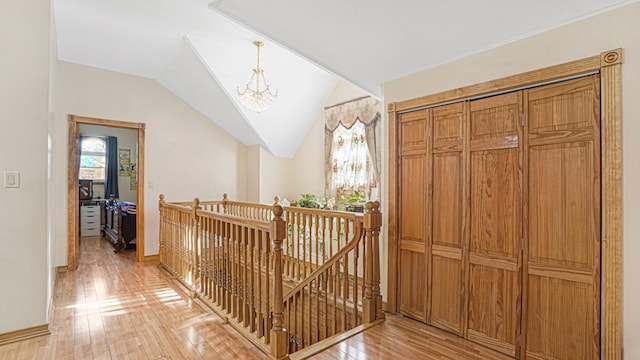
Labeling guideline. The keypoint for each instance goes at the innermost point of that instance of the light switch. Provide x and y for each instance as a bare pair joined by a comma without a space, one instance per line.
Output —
11,179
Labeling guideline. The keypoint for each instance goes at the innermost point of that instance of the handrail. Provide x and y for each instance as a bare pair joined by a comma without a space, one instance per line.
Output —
237,258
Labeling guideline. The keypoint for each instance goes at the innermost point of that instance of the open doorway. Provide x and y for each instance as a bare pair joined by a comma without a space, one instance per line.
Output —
137,183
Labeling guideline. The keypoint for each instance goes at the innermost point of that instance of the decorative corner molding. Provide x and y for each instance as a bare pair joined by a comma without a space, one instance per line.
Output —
611,57
142,125
391,107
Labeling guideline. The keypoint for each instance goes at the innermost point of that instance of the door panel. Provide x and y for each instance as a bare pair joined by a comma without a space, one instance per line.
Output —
446,299
562,222
412,223
496,217
447,281
413,195
560,217
412,285
447,197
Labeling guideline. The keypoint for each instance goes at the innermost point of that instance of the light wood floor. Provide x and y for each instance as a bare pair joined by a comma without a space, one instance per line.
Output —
115,308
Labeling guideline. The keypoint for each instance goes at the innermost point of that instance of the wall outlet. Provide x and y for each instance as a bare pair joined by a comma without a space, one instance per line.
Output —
11,179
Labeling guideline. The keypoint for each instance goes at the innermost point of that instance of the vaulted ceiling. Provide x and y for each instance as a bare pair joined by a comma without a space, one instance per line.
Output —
202,51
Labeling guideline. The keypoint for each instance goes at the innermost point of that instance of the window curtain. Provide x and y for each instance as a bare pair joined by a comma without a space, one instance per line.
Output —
111,178
365,112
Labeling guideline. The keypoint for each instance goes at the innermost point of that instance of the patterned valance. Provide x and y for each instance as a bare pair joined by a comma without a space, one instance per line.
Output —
365,109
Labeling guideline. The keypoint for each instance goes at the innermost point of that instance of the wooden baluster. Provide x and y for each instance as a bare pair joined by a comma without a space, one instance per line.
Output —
325,290
196,279
226,270
267,285
234,272
316,227
225,201
252,272
278,333
345,289
213,240
162,231
331,221
324,241
355,284
297,257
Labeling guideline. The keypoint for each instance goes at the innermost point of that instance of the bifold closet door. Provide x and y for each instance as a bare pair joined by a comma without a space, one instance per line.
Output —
562,221
448,245
495,260
413,214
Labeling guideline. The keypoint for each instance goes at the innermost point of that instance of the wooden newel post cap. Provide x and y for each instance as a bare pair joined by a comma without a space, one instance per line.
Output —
369,206
162,197
277,212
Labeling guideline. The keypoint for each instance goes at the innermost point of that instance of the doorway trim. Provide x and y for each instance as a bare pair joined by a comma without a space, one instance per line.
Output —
72,184
609,64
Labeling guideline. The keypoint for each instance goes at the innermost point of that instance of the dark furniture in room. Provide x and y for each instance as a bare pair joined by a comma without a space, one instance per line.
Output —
120,226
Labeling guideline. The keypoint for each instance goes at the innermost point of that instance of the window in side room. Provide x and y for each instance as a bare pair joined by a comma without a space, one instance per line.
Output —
92,159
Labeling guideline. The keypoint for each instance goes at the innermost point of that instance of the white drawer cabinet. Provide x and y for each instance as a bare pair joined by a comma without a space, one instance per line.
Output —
90,220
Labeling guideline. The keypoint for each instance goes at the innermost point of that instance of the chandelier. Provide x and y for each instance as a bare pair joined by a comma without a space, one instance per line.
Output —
252,97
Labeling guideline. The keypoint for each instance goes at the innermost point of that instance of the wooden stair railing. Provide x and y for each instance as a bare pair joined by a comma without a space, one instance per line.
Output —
240,264
340,296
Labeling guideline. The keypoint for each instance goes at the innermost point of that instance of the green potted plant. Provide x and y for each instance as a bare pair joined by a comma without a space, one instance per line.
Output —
309,201
354,202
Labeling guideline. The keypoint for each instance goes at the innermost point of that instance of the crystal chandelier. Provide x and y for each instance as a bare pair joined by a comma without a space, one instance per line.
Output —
252,97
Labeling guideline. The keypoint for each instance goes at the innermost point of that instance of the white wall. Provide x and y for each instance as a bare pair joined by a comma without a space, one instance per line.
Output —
127,139
253,173
186,155
53,103
276,177
24,90
614,29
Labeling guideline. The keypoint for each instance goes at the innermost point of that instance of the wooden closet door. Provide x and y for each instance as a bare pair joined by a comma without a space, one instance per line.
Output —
495,260
562,222
448,245
413,214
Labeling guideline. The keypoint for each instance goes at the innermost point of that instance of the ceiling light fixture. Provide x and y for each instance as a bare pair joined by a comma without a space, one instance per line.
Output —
254,98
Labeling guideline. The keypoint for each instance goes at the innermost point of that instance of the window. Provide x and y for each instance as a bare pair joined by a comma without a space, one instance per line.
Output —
351,148
350,163
92,158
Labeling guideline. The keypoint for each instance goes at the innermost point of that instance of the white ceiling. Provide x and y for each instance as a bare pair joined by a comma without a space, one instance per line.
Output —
202,52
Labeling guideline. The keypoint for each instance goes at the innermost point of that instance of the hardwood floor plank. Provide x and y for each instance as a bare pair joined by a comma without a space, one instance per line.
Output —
115,308
402,338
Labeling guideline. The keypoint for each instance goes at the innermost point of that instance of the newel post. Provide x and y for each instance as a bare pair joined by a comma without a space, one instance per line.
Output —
372,302
375,233
278,333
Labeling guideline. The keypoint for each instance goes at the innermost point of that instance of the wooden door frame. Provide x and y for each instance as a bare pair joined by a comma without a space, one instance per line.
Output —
72,184
609,64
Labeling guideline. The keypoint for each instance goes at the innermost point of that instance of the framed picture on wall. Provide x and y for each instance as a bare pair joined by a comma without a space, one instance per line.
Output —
124,160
